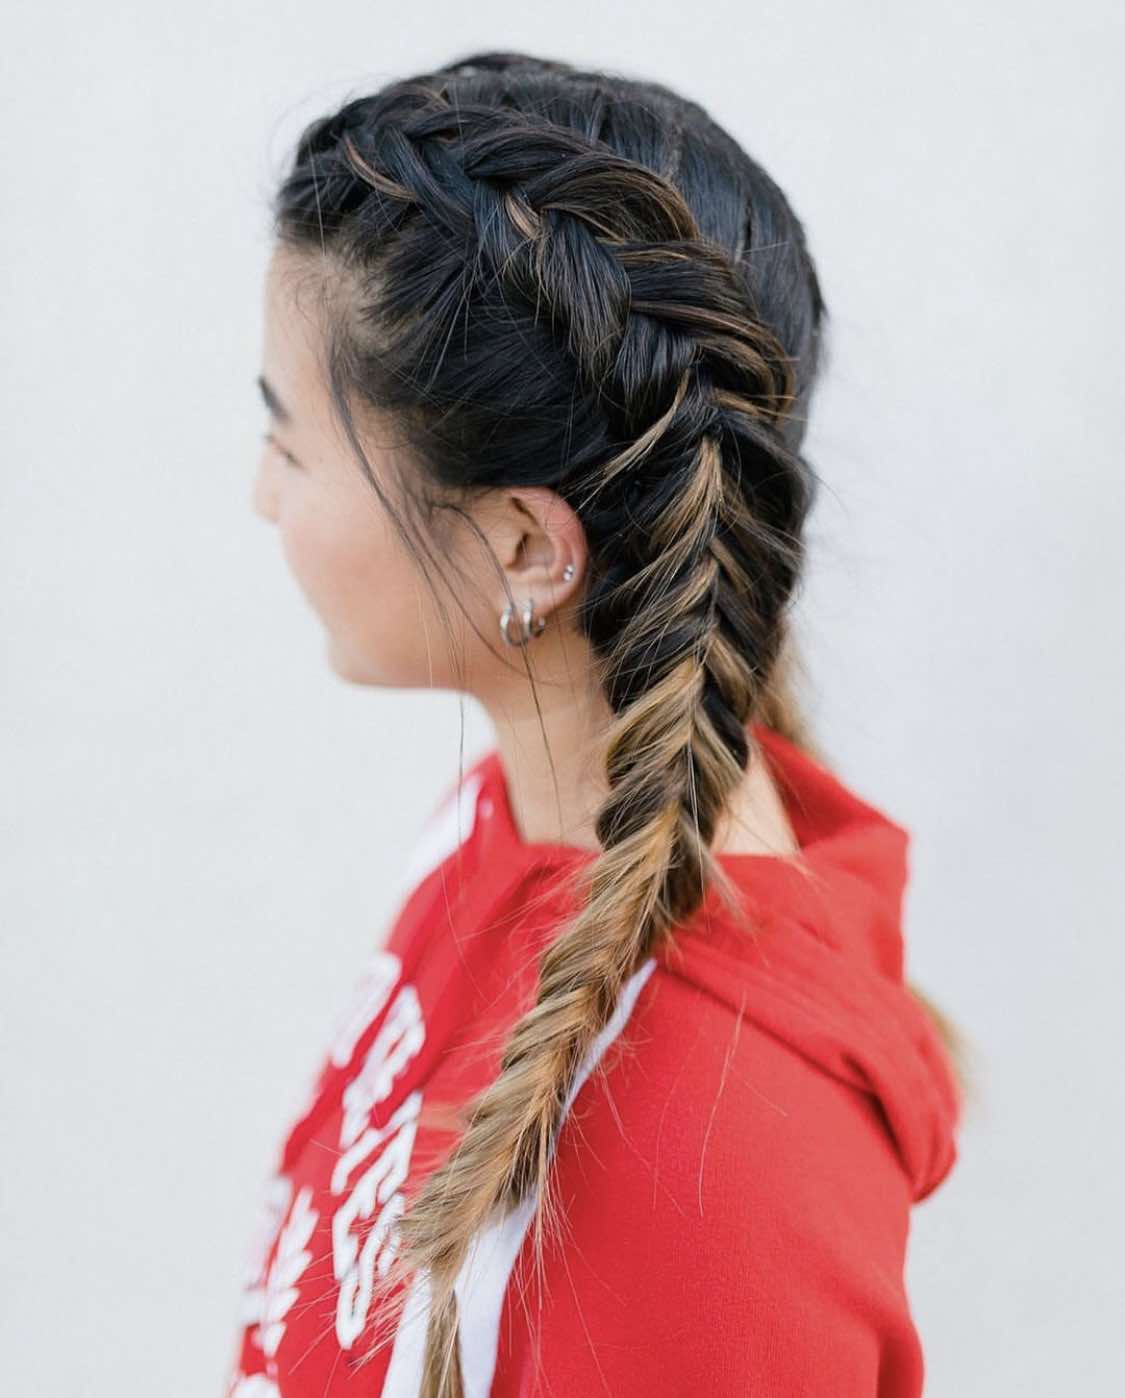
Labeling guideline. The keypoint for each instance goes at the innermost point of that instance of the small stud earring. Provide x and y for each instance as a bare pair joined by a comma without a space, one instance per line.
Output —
568,572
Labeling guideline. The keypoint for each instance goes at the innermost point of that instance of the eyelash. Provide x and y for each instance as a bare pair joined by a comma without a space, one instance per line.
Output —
272,440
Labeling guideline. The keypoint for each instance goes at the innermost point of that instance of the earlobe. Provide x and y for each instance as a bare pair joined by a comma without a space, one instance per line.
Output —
530,625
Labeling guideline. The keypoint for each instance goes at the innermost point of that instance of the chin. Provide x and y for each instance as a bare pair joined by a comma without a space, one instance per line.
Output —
346,665
356,666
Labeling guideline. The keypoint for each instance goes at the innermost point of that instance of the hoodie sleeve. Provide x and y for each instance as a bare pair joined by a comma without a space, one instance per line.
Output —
733,1220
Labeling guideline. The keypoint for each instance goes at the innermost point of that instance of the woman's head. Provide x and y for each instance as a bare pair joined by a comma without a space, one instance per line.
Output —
462,387
552,335
370,581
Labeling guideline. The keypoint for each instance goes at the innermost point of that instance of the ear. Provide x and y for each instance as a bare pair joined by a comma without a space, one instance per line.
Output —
536,535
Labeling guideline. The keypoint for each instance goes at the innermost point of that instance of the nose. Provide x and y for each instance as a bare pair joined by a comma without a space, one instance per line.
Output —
263,497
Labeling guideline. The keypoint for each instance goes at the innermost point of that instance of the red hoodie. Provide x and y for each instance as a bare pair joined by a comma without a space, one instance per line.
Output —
736,1180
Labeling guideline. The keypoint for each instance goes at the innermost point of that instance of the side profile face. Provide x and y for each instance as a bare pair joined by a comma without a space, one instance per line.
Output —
382,624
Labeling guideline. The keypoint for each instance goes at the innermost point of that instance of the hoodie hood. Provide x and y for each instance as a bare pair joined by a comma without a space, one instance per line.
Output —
823,972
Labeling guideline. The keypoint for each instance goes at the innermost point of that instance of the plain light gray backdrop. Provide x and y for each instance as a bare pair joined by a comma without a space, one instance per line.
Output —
203,827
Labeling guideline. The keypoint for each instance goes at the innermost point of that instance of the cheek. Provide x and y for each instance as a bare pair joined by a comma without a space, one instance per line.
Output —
364,586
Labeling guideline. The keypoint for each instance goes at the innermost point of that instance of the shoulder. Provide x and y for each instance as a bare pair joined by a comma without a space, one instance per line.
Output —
448,832
727,1212
723,1118
448,825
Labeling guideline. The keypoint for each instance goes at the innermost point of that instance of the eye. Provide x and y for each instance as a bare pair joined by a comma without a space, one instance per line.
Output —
273,442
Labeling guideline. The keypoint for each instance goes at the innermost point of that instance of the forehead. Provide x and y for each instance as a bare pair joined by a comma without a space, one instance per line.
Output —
293,305
293,361
296,303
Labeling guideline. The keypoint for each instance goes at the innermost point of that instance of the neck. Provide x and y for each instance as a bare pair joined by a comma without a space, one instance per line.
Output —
556,782
550,756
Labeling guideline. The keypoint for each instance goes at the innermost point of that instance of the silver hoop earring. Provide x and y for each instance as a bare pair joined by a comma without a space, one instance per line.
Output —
530,625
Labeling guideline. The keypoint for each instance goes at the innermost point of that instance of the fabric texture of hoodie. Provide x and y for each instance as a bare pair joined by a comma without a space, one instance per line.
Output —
736,1179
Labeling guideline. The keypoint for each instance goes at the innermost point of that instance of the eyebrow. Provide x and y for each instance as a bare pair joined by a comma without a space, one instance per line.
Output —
273,402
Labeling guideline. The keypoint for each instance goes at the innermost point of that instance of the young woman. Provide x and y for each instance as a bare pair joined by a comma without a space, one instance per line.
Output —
633,1098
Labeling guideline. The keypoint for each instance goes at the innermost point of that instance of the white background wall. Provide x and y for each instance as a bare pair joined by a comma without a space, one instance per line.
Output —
202,827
